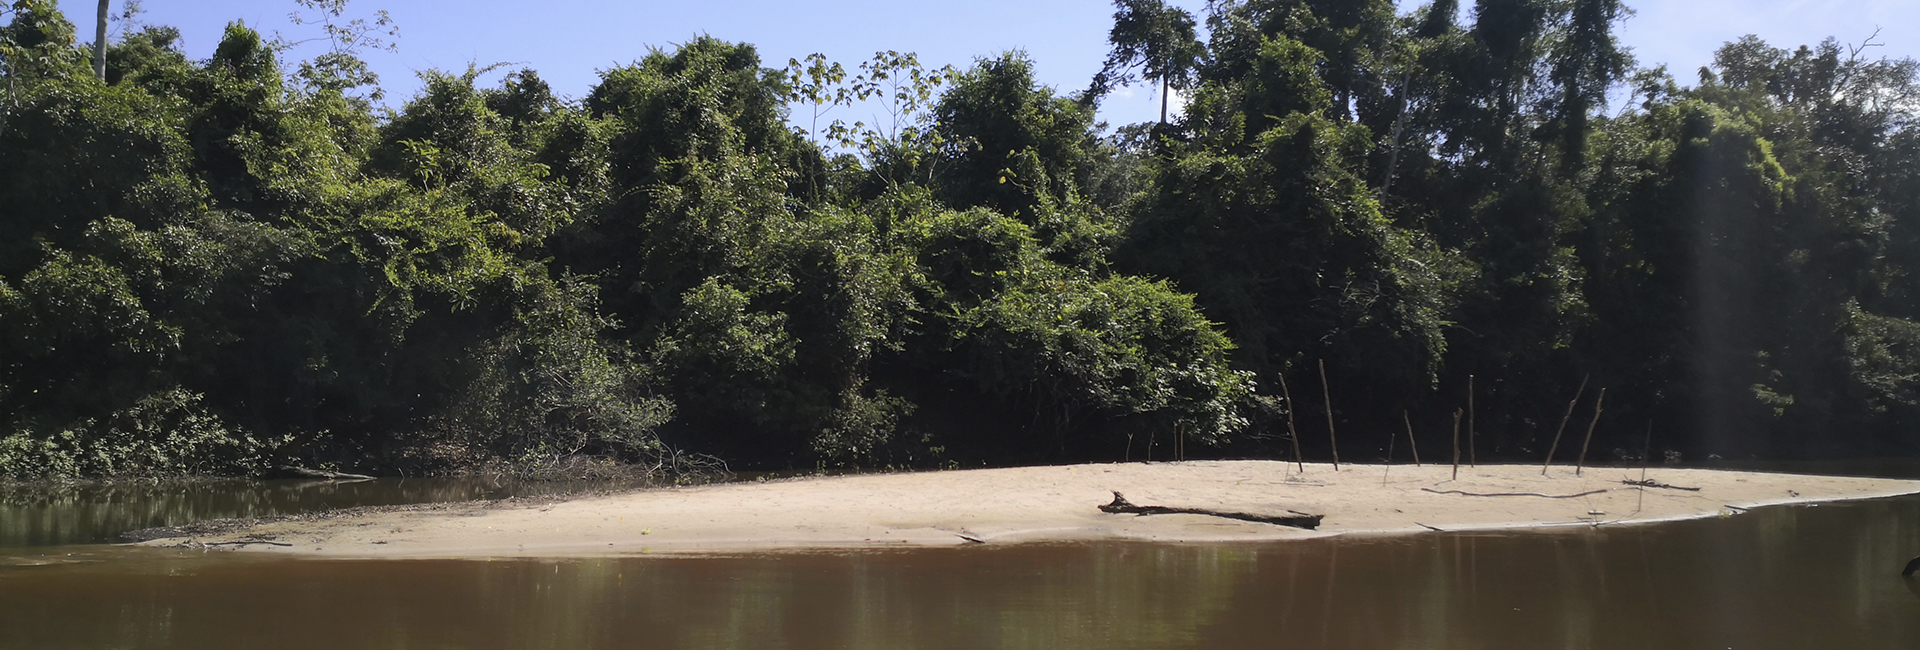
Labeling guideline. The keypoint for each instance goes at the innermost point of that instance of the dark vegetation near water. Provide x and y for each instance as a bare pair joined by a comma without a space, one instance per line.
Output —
219,266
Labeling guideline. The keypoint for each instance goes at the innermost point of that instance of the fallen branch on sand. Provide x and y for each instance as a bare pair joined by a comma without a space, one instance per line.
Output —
1650,483
244,543
1516,494
1120,505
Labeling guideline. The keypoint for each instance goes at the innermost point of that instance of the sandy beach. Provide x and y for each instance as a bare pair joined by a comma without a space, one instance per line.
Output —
1028,504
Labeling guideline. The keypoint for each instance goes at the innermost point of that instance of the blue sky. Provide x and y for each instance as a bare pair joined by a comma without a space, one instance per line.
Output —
568,41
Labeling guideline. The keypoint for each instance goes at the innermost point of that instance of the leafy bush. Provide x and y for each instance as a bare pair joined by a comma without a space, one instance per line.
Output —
165,434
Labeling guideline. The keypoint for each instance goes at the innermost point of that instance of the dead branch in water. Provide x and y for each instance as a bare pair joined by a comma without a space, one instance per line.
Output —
290,471
1121,506
1516,494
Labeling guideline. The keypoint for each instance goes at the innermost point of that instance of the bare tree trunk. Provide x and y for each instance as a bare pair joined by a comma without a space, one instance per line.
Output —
100,44
1164,86
1399,125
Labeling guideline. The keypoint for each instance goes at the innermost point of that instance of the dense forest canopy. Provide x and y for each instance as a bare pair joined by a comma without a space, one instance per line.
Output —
216,266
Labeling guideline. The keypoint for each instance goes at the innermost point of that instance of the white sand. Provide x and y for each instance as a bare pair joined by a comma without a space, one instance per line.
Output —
1000,506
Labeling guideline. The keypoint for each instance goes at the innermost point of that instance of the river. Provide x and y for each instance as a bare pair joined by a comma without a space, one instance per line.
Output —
1787,577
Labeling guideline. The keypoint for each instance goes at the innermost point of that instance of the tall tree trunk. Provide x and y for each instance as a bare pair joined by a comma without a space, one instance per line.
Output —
1164,85
1399,125
100,44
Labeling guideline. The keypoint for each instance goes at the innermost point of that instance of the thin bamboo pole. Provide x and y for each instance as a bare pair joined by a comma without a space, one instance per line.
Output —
1333,439
1646,456
1456,443
1472,458
1292,431
1389,469
1563,423
1410,441
1598,405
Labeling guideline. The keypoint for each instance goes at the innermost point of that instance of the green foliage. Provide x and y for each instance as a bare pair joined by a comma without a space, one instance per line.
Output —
1884,355
165,434
552,385
215,266
1023,147
1110,349
77,153
1154,39
39,44
1261,229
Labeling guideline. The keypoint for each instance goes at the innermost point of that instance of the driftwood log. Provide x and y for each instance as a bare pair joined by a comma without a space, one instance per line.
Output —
1121,506
290,471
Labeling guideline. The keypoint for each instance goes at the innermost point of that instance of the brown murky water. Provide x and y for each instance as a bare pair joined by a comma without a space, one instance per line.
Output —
1802,577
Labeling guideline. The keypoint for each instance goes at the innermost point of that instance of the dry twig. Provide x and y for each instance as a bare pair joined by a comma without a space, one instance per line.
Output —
1516,494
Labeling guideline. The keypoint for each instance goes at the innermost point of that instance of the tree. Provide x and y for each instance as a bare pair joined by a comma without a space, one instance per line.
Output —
1586,64
1260,212
1155,40
1014,146
100,43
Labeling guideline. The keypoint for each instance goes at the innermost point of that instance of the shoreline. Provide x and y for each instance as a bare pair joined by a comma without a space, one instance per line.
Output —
1034,504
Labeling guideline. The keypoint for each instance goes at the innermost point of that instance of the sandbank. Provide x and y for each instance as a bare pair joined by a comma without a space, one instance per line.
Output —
1029,504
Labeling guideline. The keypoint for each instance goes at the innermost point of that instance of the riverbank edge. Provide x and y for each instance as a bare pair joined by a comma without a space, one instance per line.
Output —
1032,504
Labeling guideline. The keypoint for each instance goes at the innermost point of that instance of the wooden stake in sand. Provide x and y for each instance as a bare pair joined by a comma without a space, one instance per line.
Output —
1646,452
1410,442
1332,438
1180,442
1456,443
1389,470
1598,405
1563,423
1646,455
1472,458
1291,430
